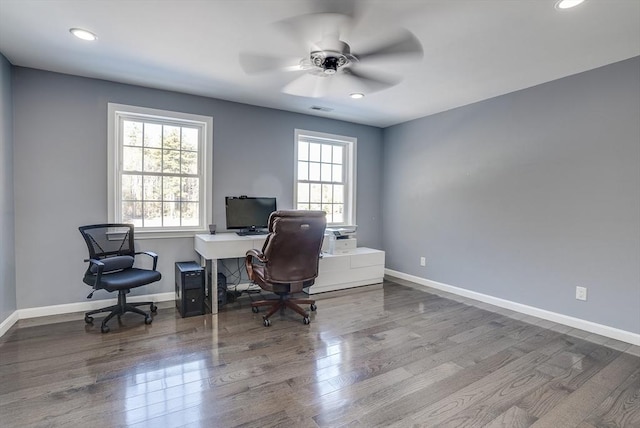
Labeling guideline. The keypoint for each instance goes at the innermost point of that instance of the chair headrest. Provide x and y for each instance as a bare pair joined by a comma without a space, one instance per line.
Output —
294,214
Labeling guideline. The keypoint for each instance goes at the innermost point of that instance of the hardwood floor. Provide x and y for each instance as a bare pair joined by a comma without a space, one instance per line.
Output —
393,355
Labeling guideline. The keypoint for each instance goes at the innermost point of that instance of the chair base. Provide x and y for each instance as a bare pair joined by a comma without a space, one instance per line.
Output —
283,302
119,309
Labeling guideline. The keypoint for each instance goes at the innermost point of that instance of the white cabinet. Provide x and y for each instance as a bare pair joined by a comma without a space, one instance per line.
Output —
357,267
361,266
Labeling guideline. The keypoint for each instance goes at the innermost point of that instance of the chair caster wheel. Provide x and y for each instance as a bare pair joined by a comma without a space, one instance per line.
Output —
153,308
105,329
148,320
306,320
313,307
266,322
254,309
88,319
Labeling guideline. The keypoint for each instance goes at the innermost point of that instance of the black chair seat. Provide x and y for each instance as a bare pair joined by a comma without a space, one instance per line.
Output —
125,279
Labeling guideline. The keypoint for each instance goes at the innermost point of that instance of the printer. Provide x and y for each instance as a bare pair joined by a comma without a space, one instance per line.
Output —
340,240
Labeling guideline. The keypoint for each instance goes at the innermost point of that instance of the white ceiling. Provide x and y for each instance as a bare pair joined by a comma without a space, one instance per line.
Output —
473,49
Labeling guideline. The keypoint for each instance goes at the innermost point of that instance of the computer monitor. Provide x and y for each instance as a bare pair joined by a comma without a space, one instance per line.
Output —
248,213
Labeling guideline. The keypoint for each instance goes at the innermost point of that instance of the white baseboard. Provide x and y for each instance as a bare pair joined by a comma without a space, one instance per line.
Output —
603,330
68,308
592,327
10,321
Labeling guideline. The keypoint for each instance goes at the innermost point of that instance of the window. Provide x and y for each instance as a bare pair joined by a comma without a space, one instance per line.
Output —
160,169
325,175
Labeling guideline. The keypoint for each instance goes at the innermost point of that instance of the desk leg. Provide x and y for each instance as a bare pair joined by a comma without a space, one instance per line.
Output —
211,271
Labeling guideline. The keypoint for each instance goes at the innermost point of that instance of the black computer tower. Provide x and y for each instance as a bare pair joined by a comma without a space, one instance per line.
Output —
190,294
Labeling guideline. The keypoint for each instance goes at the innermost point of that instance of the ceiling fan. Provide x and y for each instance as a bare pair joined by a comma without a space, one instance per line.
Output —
328,63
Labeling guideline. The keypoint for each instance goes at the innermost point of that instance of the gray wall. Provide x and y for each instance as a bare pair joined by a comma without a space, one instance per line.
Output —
525,196
7,242
522,197
60,131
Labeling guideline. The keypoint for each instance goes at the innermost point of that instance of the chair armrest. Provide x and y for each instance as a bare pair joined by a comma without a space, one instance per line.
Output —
248,262
99,268
152,255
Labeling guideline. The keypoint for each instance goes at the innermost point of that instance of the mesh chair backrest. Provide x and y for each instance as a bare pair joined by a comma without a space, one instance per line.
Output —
108,240
293,245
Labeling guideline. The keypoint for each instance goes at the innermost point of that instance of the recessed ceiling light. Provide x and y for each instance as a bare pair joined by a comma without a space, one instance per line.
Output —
83,34
356,95
567,4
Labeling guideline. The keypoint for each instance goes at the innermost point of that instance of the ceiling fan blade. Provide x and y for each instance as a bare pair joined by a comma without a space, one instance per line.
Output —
343,7
258,63
308,85
405,43
369,82
313,28
329,20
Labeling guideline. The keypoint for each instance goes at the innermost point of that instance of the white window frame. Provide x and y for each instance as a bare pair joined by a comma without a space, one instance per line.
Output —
119,112
349,143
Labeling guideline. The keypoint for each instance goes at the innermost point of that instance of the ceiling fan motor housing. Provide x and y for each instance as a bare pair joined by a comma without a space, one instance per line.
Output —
333,55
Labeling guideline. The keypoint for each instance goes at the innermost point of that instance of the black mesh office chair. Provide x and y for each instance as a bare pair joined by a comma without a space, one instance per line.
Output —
288,261
111,258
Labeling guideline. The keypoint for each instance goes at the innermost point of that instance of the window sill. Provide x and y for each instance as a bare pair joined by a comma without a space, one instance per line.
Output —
167,234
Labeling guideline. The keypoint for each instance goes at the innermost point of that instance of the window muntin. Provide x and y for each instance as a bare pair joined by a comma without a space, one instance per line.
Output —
325,178
161,164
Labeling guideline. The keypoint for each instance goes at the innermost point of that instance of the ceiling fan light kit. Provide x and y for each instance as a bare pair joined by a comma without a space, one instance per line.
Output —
329,62
332,55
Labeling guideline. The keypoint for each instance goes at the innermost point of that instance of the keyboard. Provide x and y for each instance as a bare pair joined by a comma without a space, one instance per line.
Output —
252,232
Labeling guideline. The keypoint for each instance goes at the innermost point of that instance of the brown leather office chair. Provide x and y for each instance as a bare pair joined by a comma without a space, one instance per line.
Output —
288,261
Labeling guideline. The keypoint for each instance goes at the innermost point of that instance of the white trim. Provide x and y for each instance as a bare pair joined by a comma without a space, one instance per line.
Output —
603,330
592,327
204,123
350,145
68,308
140,234
8,323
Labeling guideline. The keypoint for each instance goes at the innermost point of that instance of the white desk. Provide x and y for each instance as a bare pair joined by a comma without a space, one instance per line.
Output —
222,246
355,268
227,245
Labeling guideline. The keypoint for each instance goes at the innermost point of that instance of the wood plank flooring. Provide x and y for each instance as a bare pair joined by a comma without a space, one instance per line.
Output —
391,355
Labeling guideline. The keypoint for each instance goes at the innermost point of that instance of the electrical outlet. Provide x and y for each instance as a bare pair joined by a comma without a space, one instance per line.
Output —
581,293
423,261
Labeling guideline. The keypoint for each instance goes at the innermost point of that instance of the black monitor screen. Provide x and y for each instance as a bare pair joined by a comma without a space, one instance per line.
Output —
249,213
